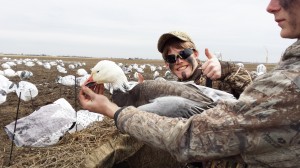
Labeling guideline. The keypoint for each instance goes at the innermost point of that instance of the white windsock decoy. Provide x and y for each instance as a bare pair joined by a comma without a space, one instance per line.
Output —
81,72
159,68
80,80
39,63
11,64
135,66
3,96
152,68
68,80
28,90
5,66
24,74
5,58
155,74
168,74
19,62
71,66
9,73
143,66
7,85
261,69
140,70
136,75
61,69
53,63
29,64
47,65
240,65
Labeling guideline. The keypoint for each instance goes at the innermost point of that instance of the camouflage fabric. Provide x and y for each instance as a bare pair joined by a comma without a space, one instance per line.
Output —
127,149
118,152
112,152
262,126
234,79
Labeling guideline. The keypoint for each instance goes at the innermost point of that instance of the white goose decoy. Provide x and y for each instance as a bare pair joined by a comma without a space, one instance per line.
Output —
24,74
28,90
71,66
30,64
182,100
168,74
4,86
261,69
9,72
155,74
47,65
5,66
240,65
11,64
68,80
7,85
61,69
3,96
81,72
81,79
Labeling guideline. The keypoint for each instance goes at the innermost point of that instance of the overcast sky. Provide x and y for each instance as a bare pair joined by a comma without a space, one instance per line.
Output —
241,30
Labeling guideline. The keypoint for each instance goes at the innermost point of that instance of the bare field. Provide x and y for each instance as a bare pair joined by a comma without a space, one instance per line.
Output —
73,148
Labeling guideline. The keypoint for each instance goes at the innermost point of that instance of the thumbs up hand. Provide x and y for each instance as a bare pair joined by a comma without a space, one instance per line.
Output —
212,67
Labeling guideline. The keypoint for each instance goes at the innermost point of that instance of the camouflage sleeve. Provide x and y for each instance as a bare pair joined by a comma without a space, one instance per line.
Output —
238,78
265,118
225,66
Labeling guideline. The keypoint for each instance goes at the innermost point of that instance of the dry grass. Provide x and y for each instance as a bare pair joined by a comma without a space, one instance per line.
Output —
69,152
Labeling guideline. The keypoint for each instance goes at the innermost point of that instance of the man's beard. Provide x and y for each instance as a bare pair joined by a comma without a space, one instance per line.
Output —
183,74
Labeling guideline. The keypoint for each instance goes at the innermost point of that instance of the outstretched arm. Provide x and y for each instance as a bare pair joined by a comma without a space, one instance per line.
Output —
96,102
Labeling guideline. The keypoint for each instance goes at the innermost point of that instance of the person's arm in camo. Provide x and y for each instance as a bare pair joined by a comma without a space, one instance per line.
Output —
259,125
234,79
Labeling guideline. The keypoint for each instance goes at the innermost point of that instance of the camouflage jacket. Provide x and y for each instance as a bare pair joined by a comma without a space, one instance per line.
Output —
234,79
263,125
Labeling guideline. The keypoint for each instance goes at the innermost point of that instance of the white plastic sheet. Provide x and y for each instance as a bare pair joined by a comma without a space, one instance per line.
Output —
44,126
48,124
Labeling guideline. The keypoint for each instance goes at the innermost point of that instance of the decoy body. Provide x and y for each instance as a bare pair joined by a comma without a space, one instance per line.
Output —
168,98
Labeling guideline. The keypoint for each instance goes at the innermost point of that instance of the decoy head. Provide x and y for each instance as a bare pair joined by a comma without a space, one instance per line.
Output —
106,71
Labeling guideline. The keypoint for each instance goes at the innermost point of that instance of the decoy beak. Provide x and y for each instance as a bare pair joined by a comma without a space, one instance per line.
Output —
97,88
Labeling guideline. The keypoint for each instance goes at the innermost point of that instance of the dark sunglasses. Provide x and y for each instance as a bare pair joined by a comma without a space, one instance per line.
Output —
184,54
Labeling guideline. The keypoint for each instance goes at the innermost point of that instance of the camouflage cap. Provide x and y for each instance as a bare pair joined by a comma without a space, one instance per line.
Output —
165,37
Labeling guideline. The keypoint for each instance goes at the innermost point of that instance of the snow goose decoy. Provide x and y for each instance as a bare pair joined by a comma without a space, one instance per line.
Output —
261,69
154,96
27,90
24,74
68,80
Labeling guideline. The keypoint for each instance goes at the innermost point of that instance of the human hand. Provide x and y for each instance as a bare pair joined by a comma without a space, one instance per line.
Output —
96,102
212,67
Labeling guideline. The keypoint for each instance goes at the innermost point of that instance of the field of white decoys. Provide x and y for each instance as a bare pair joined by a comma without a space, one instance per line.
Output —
41,114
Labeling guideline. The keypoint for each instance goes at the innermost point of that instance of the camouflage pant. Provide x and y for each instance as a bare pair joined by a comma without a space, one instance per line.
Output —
128,150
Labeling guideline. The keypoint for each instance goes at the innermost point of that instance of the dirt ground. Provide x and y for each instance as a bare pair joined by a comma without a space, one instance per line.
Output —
50,91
